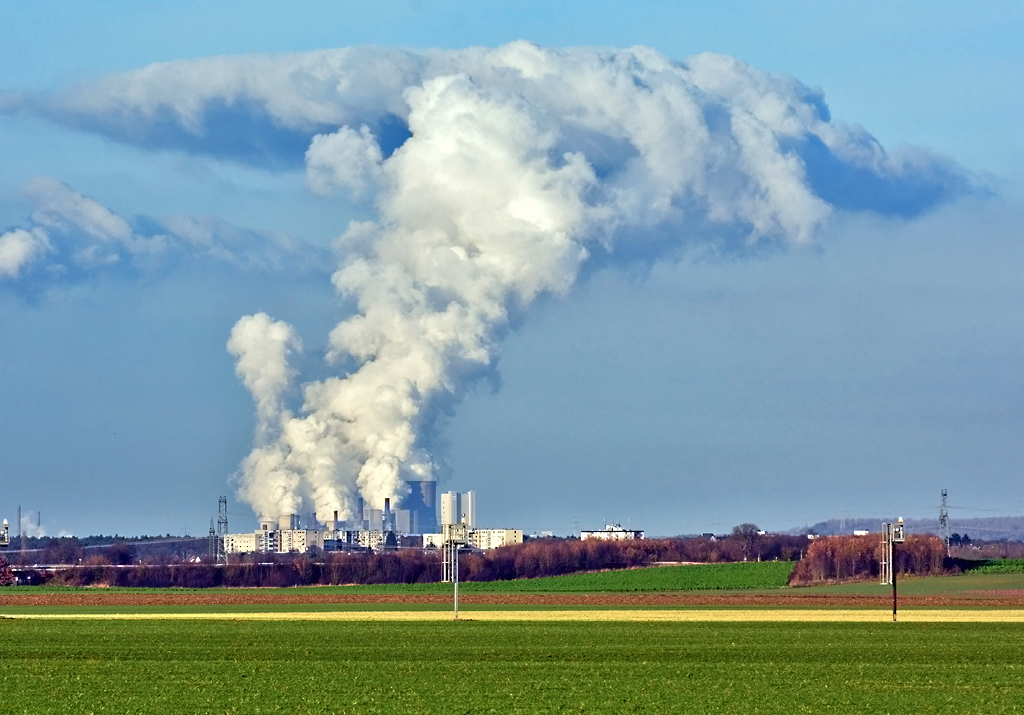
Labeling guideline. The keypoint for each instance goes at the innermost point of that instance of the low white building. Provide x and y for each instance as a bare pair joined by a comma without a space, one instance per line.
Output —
485,539
281,541
482,539
300,540
612,532
433,540
240,543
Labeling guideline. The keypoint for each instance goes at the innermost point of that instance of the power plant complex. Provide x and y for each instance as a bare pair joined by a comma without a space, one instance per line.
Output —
370,528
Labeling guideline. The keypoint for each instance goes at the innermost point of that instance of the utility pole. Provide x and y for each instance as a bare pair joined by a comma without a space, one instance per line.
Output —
892,534
455,536
944,522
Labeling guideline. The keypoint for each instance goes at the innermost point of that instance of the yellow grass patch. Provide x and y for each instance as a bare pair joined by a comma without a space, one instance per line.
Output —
745,614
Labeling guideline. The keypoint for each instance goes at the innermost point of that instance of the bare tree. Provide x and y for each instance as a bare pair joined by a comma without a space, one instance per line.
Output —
747,535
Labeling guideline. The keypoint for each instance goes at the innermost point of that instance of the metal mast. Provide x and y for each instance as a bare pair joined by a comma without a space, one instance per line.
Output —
944,522
213,542
222,528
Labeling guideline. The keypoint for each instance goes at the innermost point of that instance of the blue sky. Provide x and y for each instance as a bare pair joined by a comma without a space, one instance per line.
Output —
864,373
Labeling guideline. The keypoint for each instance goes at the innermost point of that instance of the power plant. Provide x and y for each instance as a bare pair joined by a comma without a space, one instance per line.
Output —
370,528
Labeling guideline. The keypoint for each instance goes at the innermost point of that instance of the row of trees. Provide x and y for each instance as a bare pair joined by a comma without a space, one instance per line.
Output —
538,557
6,575
73,550
841,558
826,559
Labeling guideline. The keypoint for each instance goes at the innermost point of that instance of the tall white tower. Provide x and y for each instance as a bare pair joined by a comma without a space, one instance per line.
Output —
458,508
450,508
467,509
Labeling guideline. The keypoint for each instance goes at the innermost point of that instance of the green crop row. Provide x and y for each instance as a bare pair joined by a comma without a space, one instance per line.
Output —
704,577
162,667
999,566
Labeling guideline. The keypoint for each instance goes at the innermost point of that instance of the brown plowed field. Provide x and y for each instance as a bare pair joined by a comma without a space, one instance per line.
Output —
1010,599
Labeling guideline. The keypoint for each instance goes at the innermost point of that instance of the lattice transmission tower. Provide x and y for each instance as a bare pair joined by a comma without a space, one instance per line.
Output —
222,528
944,522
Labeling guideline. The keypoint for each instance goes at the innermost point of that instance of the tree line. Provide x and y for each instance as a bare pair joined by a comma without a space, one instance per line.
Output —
846,558
826,559
119,564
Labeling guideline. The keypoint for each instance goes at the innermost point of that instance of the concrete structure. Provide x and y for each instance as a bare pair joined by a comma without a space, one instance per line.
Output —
612,532
458,508
421,502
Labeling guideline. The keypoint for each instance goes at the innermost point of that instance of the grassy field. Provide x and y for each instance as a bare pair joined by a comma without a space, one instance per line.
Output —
190,667
1001,566
974,582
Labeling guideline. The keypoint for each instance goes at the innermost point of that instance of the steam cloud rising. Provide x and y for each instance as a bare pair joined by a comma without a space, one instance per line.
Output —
495,176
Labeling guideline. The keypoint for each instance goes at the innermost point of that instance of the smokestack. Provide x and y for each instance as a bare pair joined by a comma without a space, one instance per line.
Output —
386,521
335,525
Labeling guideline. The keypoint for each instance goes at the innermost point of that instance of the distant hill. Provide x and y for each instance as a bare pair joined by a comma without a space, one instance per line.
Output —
988,528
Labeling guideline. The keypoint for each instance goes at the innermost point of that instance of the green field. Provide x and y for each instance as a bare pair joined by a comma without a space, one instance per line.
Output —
754,575
1000,566
598,667
972,583
706,577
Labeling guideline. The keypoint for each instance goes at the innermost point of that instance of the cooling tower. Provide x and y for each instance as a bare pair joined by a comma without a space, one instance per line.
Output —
422,502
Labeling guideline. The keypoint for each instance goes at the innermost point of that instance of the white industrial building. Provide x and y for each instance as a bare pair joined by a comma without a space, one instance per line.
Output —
459,508
371,528
612,532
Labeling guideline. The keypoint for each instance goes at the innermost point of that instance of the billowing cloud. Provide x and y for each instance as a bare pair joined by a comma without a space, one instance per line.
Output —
347,158
19,248
496,176
519,166
79,236
266,109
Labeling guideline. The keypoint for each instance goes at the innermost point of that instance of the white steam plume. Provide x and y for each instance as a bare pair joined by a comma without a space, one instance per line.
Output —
522,163
262,346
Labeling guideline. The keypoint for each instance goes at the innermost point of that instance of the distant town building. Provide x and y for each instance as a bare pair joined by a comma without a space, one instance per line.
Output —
485,539
612,532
